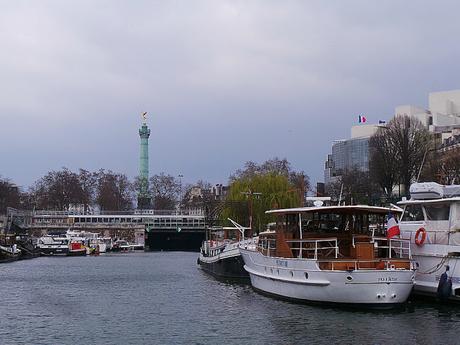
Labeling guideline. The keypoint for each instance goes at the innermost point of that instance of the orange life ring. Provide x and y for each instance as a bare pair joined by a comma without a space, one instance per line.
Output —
420,241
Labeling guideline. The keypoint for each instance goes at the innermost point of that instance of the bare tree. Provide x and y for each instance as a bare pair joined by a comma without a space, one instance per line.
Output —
57,190
353,187
165,191
450,167
114,191
10,195
398,152
197,195
443,166
88,183
383,166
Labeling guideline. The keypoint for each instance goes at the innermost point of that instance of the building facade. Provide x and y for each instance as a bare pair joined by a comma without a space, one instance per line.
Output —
348,154
442,118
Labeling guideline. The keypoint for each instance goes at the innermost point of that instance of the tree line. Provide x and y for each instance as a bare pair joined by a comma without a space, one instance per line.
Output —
108,190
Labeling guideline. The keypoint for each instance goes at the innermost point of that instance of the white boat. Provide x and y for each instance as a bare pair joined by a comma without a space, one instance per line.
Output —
125,246
332,254
53,245
93,241
431,222
66,244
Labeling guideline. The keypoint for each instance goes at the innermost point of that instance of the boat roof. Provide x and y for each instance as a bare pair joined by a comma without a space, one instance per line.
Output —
337,209
428,201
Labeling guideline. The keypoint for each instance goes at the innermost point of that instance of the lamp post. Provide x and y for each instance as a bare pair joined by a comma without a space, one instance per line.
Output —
180,176
249,194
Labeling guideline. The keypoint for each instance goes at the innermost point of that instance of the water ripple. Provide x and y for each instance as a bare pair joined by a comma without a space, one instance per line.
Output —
163,298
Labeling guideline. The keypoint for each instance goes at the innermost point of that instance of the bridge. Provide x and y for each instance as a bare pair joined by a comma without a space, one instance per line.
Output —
164,230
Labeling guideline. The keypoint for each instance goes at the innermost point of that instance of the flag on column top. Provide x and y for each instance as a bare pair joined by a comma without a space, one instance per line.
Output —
361,119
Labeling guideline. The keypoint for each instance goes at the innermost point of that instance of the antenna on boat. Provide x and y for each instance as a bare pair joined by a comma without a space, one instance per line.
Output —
340,196
421,165
241,229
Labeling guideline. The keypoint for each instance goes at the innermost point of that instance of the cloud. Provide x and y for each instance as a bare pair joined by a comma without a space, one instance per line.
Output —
224,81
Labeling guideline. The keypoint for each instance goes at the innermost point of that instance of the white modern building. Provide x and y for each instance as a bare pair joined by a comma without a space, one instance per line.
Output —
442,116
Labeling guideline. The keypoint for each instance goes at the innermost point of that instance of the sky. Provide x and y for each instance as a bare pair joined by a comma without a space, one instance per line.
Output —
223,82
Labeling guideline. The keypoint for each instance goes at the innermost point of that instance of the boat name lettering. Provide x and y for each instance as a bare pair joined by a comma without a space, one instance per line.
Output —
281,263
387,279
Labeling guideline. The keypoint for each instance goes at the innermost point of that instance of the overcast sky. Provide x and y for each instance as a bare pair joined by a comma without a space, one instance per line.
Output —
224,82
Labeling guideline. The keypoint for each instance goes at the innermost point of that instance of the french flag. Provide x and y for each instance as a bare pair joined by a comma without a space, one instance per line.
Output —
361,119
392,227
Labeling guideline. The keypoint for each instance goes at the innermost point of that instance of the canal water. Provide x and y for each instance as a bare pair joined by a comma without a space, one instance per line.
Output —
164,298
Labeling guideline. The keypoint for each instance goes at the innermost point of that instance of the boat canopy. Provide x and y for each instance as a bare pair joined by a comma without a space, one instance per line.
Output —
337,209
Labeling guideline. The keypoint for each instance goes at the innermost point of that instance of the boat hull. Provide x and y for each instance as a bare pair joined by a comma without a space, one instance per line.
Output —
80,252
301,280
54,251
225,268
430,268
174,240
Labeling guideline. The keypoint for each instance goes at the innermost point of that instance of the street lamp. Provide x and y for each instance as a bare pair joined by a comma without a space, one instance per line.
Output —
180,176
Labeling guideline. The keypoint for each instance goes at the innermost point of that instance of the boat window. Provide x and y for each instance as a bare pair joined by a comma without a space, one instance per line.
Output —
323,223
413,213
437,212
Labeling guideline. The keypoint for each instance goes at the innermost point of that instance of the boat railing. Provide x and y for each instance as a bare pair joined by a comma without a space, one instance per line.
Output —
394,247
310,248
358,264
432,236
266,246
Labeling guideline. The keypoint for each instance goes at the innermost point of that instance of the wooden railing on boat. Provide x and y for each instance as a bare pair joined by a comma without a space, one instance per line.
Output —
366,252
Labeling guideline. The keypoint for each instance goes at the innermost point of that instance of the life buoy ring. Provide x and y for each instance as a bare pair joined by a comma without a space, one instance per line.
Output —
420,241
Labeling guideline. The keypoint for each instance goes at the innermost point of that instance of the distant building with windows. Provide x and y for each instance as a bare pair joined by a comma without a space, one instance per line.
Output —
348,154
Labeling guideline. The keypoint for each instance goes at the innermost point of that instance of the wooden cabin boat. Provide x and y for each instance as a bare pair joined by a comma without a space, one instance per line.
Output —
332,254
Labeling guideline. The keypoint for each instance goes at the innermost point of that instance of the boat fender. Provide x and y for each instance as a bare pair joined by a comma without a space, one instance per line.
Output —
444,286
198,261
420,240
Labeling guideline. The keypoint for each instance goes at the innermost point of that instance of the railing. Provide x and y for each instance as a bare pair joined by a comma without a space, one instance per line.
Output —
394,246
433,236
306,248
376,264
323,245
265,245
196,212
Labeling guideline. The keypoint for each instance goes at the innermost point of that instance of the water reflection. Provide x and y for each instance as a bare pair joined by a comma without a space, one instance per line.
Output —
164,298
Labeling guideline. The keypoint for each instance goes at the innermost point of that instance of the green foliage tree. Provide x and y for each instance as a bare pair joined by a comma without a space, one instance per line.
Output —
275,192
